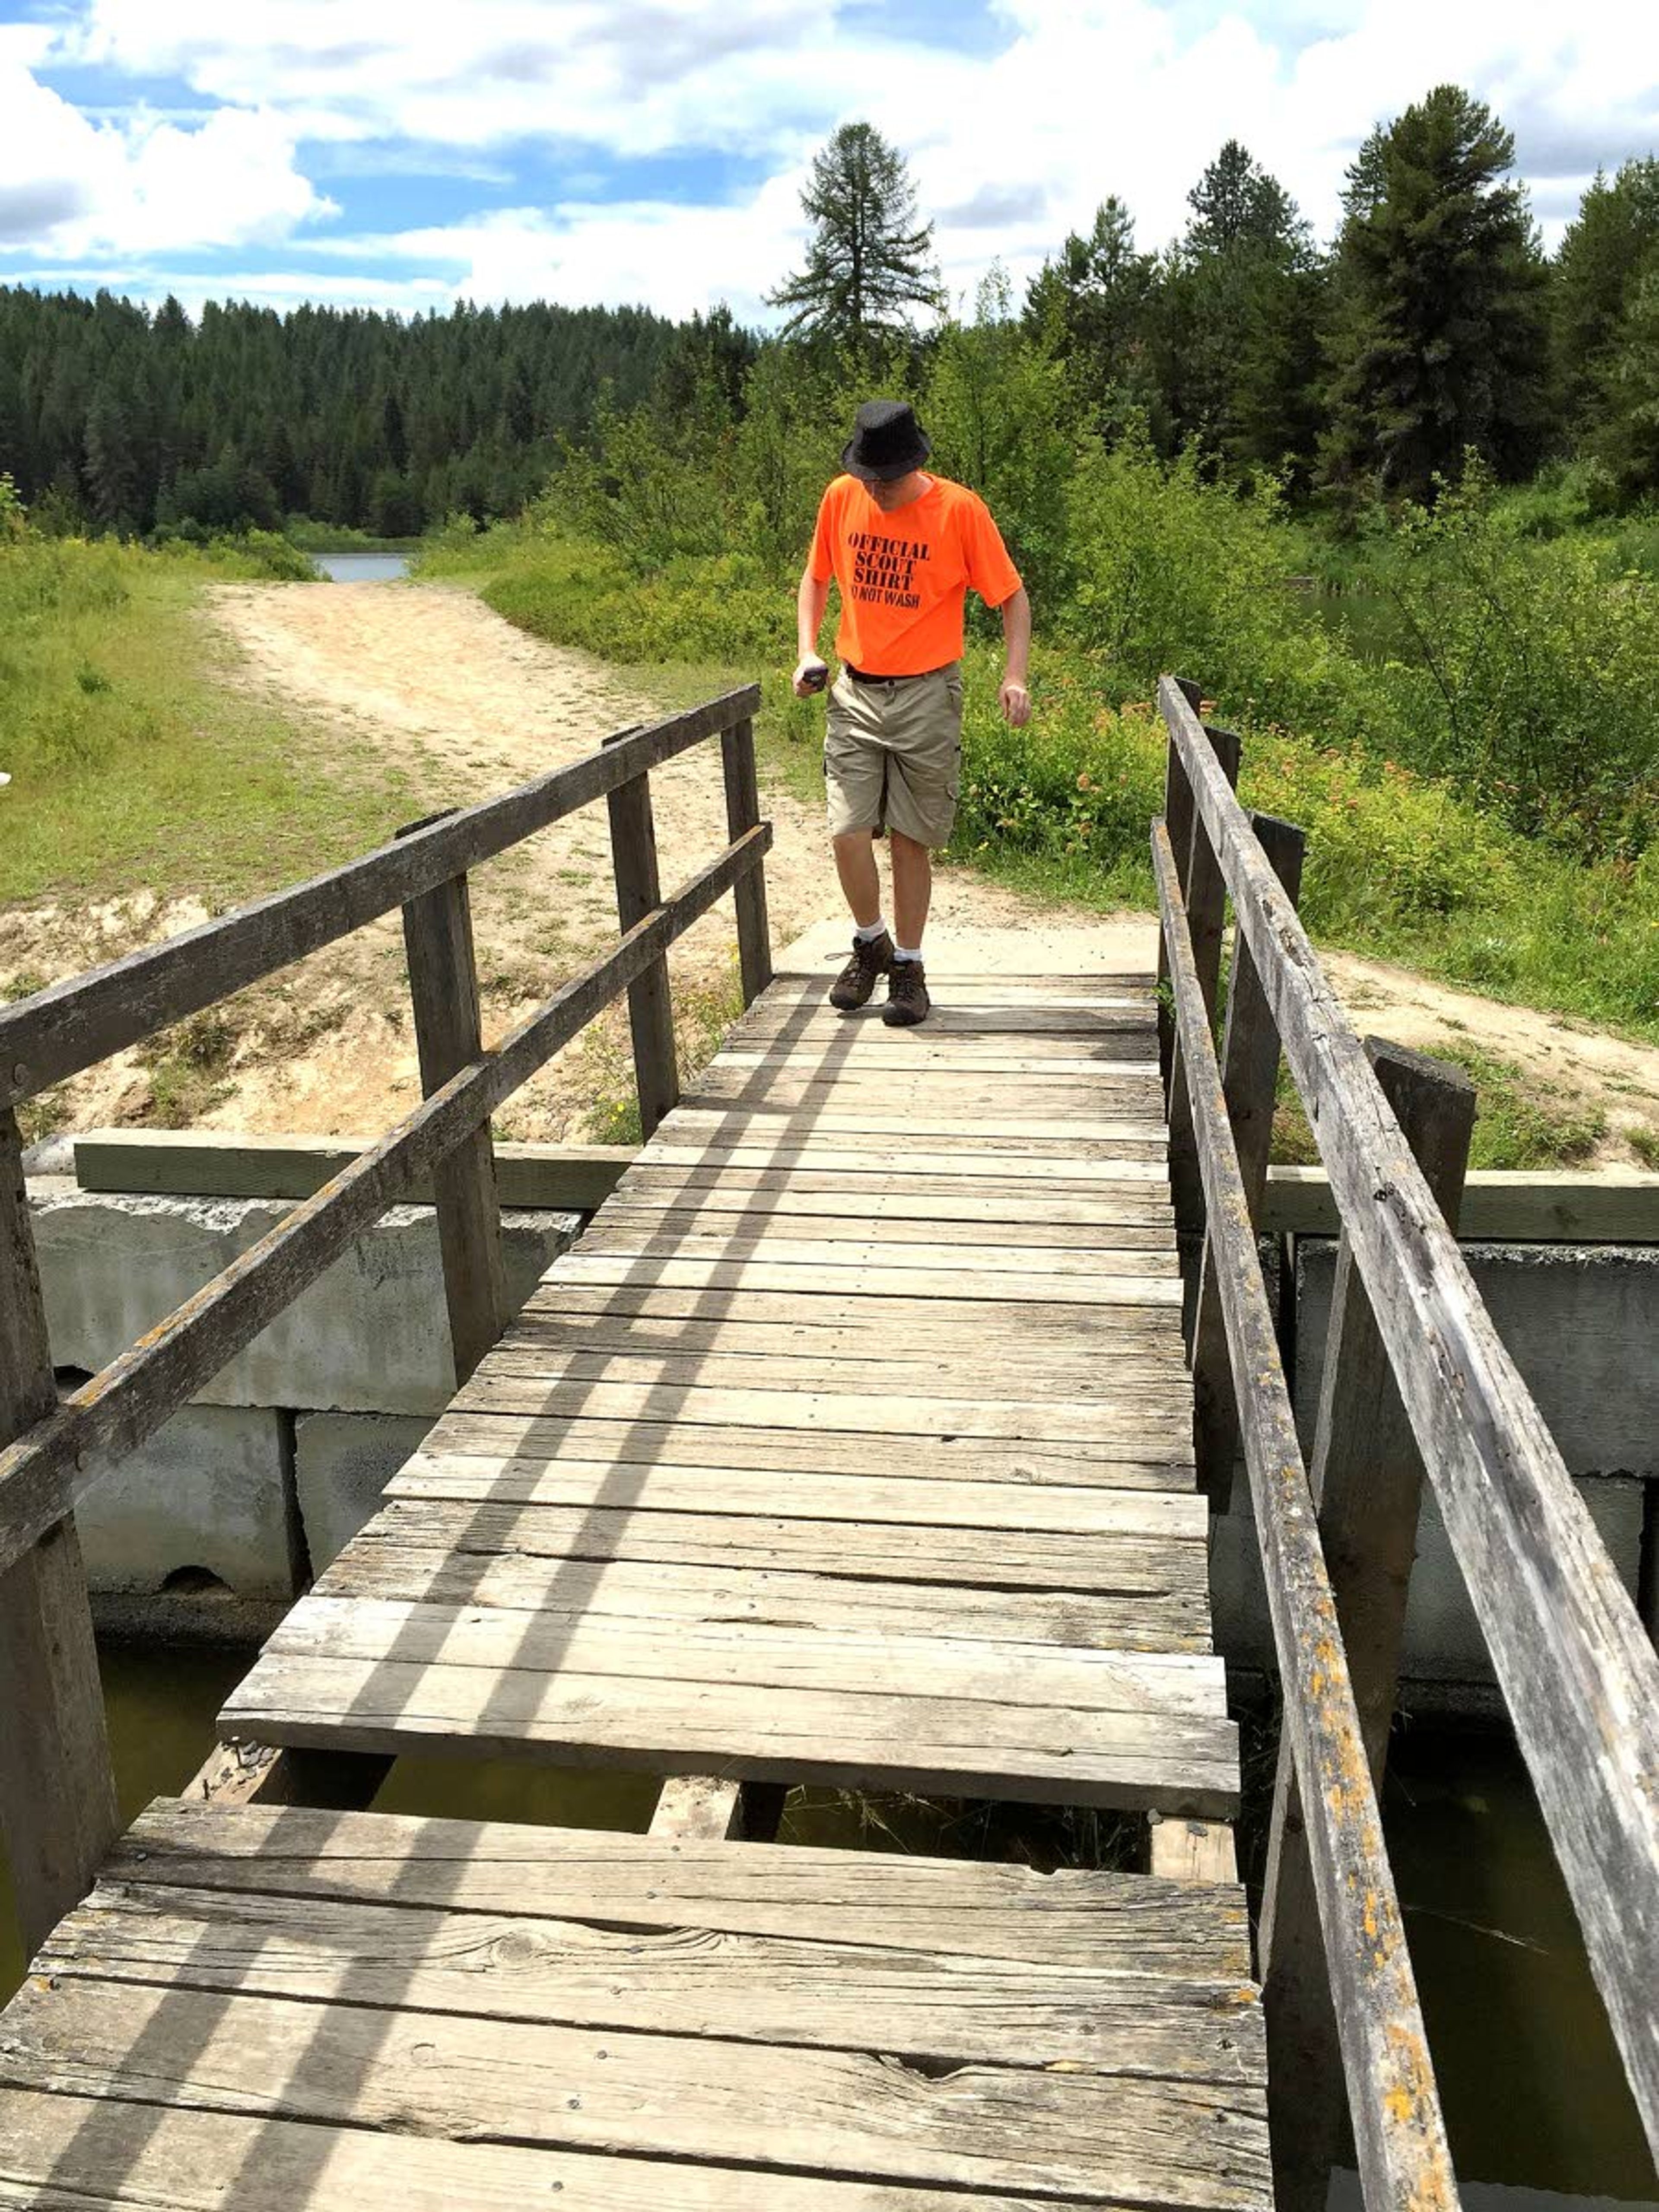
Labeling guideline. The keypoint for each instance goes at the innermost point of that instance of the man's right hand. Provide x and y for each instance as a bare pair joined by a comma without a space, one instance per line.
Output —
811,676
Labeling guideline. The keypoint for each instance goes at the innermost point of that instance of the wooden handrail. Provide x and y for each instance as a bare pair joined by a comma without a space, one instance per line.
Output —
74,1024
1399,2134
1580,1677
130,1398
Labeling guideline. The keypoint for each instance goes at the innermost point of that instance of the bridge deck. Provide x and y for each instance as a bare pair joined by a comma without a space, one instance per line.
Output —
850,1444
292,2008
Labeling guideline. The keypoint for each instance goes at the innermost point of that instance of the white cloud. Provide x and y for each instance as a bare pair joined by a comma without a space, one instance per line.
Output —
70,187
1088,97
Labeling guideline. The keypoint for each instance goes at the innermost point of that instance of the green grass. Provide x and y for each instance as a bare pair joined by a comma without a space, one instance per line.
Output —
1401,865
1515,1127
133,764
703,1012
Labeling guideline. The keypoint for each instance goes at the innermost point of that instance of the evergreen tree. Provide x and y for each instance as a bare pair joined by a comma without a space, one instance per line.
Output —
112,468
868,257
1610,247
1238,319
1439,342
1628,438
1092,307
1237,207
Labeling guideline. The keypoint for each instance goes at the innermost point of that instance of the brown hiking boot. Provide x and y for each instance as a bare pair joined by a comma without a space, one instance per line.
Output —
871,957
908,1002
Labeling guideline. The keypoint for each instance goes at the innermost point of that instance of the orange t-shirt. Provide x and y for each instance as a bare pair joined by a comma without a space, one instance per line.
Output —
904,576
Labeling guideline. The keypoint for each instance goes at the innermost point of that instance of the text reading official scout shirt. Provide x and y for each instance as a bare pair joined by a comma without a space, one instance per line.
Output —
904,576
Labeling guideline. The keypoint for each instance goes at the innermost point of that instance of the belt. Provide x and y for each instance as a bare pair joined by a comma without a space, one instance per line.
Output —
868,676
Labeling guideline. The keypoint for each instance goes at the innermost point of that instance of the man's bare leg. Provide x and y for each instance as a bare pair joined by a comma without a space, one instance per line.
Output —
861,884
913,885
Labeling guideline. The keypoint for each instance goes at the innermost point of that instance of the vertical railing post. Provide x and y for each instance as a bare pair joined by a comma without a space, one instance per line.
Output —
1366,1476
1206,891
742,813
1250,1074
1178,821
57,1789
443,989
639,890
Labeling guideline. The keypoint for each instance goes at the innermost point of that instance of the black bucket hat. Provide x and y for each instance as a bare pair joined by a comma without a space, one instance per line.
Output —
887,441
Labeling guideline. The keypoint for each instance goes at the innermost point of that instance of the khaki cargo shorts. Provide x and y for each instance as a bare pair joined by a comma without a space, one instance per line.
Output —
893,754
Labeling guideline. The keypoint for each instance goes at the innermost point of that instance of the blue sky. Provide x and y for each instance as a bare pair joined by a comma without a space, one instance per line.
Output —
378,152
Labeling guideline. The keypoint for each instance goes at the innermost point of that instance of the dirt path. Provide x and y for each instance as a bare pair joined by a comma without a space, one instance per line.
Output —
471,706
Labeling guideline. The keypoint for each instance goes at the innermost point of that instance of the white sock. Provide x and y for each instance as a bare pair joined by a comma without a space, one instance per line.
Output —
867,931
902,952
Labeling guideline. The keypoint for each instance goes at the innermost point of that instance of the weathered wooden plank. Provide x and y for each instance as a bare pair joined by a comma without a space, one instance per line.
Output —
1366,1476
919,1319
1073,983
704,1808
882,1197
1193,1851
781,1247
1205,892
1249,1075
208,1163
743,814
63,2153
1022,1560
73,1024
783,1083
650,1006
1081,1510
850,1160
879,1049
1398,2133
400,1566
894,1279
443,986
986,1670
57,1790
766,1219
1579,1674
814,1027
1091,1137
1550,1206
131,1398
1118,1923
949,2007
1160,1393
848,1450
1178,821
1083,2134
1059,1754
1088,1429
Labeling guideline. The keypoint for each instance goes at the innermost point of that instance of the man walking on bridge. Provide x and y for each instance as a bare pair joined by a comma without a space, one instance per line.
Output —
904,550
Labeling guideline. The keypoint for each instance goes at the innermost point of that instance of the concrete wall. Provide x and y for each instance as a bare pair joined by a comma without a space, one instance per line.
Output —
282,1457
1581,1323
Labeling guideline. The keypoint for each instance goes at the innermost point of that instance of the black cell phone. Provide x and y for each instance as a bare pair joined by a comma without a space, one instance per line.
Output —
816,678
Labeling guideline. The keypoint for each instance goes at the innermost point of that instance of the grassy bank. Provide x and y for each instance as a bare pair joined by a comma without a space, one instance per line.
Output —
133,764
1403,865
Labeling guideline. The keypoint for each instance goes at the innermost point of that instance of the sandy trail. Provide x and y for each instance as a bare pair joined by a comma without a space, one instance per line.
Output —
471,706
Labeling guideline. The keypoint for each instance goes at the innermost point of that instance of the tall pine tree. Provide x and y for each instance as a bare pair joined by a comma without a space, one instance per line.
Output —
868,258
1439,340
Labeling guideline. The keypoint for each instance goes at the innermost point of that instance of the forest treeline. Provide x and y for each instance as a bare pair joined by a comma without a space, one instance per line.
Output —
1431,326
132,420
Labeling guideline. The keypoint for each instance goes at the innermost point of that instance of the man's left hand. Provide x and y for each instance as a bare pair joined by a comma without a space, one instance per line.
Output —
1015,701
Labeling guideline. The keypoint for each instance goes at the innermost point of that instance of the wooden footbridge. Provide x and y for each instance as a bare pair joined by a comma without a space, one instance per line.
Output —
868,1437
